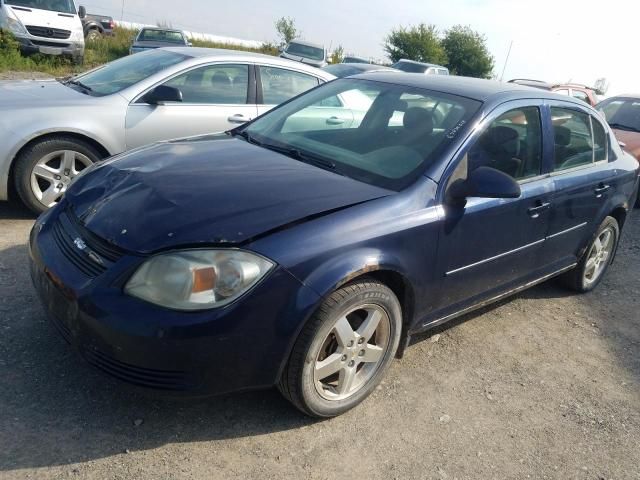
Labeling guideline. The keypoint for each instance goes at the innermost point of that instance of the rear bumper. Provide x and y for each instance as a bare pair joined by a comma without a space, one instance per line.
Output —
49,47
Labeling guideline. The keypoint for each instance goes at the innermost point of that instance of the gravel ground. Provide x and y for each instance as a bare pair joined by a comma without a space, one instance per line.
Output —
545,385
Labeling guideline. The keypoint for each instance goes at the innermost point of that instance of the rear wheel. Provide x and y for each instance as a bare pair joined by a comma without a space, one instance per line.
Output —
45,169
597,258
94,35
344,350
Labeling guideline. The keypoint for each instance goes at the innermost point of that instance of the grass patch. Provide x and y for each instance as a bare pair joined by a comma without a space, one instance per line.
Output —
97,52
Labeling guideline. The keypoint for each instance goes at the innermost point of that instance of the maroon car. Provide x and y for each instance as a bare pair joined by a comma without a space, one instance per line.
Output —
623,115
575,90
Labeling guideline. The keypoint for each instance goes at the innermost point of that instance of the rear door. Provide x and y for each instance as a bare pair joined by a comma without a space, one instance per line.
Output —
216,98
582,178
490,244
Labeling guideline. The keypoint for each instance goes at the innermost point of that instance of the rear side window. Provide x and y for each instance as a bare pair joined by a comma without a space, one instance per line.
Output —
512,143
279,84
576,141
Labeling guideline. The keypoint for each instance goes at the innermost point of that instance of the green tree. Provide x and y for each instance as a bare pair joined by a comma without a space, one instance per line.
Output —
419,42
467,52
286,28
337,55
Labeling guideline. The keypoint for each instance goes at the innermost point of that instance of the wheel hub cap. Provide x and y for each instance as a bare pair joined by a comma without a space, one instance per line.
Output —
53,174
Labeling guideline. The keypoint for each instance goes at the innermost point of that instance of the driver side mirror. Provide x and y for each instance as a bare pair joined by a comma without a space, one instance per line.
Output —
82,12
484,182
163,94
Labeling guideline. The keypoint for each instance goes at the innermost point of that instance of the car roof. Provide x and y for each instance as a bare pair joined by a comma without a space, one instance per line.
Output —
308,44
221,54
406,60
160,29
474,88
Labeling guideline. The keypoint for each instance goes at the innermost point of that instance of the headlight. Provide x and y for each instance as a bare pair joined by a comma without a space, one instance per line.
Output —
14,26
197,279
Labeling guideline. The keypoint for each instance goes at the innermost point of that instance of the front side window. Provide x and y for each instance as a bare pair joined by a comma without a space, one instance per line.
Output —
213,84
573,138
62,6
279,84
127,71
580,95
512,144
360,139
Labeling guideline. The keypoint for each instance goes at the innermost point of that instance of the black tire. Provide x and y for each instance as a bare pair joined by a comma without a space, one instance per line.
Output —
297,384
29,157
576,279
94,35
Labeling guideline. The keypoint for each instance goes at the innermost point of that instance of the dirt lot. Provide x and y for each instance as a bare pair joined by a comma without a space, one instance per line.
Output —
546,385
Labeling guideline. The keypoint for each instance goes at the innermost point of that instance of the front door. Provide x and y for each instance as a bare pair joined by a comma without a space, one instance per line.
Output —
215,98
489,244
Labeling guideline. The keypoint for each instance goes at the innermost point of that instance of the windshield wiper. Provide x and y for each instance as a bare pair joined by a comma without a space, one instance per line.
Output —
80,84
298,154
245,135
620,126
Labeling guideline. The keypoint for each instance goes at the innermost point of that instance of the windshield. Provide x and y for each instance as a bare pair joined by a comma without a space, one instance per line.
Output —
622,113
120,74
354,60
410,67
63,6
305,51
168,36
378,133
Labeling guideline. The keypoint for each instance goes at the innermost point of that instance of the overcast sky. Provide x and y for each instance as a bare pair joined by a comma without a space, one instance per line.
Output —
554,40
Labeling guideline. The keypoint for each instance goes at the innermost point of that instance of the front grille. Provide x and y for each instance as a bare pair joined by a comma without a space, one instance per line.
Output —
43,43
145,377
86,251
48,32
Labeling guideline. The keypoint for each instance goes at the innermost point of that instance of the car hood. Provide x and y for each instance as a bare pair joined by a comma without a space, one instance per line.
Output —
37,93
631,140
209,191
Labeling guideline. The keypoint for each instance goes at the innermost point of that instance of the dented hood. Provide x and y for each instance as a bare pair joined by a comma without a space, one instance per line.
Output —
205,192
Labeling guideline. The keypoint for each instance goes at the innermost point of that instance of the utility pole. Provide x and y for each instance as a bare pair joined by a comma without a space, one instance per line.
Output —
122,12
505,62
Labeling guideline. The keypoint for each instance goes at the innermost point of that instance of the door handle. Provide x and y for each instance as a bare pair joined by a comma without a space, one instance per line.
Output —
534,212
238,118
335,121
600,189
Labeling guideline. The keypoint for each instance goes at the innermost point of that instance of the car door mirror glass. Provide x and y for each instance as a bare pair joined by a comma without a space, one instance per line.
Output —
484,182
163,94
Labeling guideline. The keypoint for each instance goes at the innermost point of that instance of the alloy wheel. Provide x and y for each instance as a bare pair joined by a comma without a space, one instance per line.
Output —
53,173
352,352
599,255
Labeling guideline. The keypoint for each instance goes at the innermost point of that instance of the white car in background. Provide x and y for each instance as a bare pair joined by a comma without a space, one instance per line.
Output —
51,130
51,27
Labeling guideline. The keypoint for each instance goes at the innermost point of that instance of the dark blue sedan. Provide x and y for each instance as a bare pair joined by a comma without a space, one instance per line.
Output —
305,248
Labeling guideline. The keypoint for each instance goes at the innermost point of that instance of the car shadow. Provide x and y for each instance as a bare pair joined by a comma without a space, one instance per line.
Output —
57,410
15,211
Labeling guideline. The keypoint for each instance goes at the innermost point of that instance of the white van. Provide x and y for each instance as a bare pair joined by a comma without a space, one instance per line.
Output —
52,27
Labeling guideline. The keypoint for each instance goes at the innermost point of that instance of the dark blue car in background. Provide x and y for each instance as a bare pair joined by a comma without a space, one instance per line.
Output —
305,248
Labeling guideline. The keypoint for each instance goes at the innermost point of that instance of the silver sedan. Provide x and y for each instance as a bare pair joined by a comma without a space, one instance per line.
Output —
51,130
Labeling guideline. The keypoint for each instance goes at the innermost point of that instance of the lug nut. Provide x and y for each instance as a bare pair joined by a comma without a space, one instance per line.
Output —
361,340
351,343
344,358
57,177
361,353
60,186
352,363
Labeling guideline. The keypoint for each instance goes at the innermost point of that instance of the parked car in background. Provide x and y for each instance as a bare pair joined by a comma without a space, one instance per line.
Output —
305,52
97,26
575,90
411,66
301,255
51,130
341,70
50,27
353,59
150,38
623,115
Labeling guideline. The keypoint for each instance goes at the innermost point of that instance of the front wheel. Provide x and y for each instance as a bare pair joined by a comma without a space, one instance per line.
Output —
344,350
45,169
597,258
